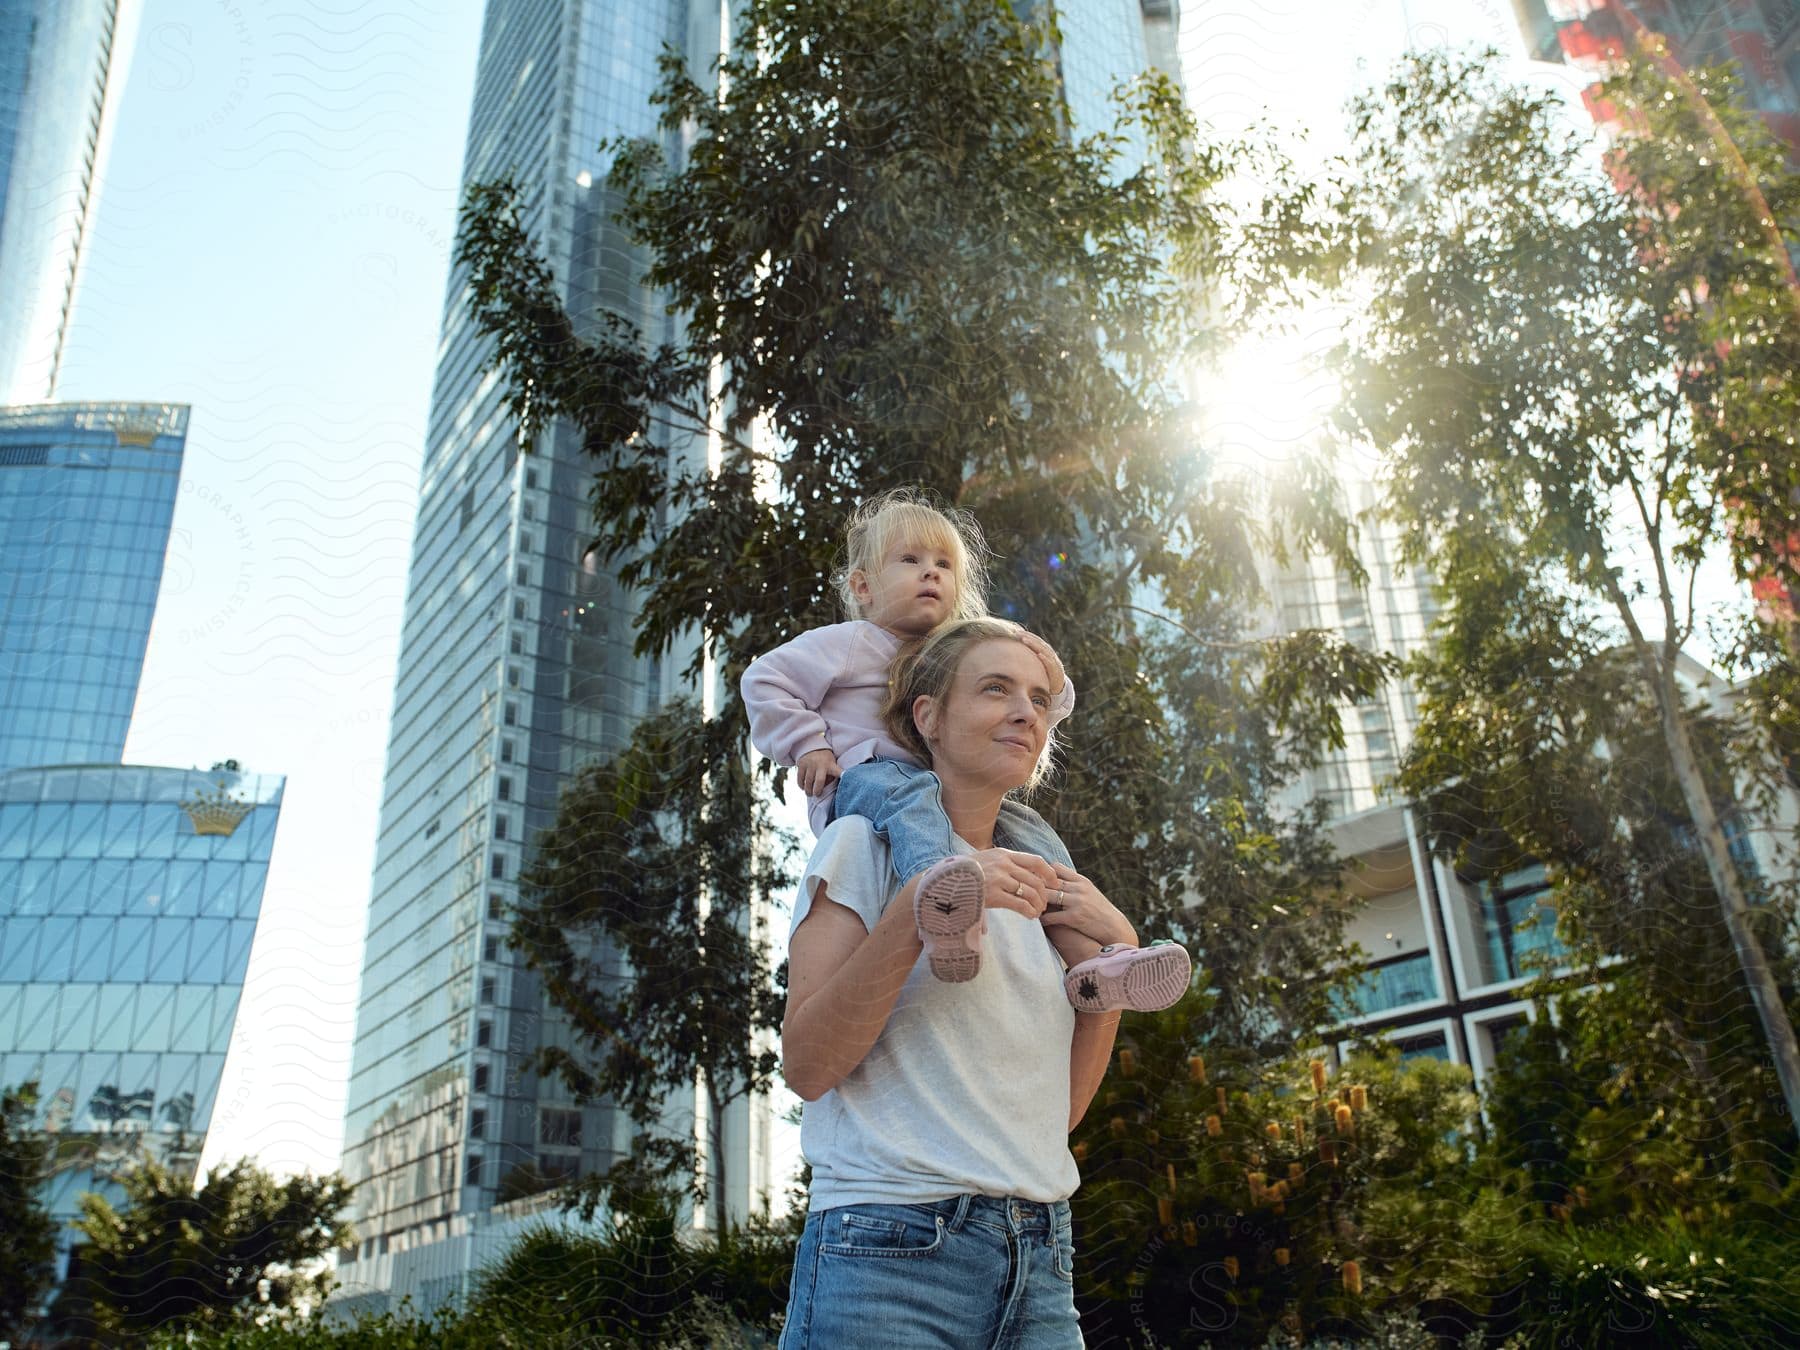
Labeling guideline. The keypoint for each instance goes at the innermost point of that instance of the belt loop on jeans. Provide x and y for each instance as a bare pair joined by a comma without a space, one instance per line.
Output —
963,1202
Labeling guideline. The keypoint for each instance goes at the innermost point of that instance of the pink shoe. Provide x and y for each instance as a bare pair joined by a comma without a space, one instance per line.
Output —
1143,979
950,911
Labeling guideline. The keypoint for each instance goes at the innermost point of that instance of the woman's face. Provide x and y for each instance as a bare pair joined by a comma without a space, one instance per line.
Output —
991,726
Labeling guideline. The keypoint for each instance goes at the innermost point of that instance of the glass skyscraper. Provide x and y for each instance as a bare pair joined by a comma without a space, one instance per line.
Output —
516,668
87,492
128,901
58,87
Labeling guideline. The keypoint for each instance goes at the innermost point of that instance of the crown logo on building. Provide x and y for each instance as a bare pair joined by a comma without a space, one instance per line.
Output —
215,812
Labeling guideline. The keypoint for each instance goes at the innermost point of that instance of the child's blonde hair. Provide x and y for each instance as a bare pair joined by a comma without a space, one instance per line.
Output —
908,514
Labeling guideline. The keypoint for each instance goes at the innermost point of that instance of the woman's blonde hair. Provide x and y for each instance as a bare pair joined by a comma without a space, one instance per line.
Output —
928,667
908,515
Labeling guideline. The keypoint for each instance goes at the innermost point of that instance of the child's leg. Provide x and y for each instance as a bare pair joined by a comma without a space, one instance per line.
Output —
903,803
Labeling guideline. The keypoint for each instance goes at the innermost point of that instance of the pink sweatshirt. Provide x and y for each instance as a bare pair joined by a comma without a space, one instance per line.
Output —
824,691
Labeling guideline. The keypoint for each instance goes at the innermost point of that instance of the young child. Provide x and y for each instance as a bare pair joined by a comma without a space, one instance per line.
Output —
815,704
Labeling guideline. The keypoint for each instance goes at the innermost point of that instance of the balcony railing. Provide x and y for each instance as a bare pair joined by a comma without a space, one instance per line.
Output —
1398,983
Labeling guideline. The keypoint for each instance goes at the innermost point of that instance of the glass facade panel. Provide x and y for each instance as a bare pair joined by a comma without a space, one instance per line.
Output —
72,643
118,1007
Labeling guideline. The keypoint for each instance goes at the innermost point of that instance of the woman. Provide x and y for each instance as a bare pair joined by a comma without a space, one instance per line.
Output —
938,1114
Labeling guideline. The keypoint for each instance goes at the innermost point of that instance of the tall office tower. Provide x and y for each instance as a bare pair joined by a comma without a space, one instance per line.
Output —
515,669
1761,36
87,491
128,895
60,79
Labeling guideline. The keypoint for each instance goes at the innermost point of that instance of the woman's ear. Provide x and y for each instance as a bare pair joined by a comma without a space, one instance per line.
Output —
925,716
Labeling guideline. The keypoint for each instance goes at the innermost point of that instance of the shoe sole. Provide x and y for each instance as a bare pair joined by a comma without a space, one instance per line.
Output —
1145,979
948,910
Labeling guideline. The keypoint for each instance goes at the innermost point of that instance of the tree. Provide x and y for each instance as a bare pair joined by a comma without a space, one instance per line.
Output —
1585,363
893,263
639,911
233,1250
1538,739
27,1232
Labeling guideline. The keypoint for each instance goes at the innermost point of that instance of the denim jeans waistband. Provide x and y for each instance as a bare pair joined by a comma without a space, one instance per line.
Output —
1004,1212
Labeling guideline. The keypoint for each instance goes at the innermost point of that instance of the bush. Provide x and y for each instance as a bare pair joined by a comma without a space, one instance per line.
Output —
1659,1284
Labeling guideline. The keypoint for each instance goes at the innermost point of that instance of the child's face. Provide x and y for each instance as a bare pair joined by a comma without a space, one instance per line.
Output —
911,592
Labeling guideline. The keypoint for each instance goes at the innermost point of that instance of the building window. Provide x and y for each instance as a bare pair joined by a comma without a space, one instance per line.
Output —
496,906
518,644
499,827
504,788
512,676
512,714
490,949
490,987
523,575
481,1078
478,1123
484,1033
472,1169
518,609
506,752
1424,1047
497,867
560,1127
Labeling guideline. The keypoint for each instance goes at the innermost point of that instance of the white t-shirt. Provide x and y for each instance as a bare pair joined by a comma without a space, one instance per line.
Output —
967,1087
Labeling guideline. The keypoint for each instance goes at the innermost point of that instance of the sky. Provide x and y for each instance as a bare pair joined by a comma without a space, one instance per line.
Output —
272,243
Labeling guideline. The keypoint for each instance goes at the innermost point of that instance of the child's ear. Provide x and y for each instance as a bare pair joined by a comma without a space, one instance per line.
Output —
859,586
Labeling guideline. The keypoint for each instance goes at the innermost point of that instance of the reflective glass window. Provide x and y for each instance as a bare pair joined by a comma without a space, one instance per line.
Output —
37,1018
250,888
108,878
85,819
36,884
50,825
220,889
15,828
18,948
73,878
156,830
131,948
115,1020
155,1028
143,886
206,953
56,950
168,952
119,834
183,895
93,948
237,953
193,1018
236,845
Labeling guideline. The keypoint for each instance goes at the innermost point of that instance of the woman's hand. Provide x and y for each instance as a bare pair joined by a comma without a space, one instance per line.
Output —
1075,901
1017,881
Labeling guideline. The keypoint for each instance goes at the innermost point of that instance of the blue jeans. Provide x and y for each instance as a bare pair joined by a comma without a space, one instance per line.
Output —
971,1272
903,802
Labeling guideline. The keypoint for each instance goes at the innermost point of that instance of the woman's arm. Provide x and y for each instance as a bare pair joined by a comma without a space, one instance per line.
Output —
1076,905
1089,1053
843,981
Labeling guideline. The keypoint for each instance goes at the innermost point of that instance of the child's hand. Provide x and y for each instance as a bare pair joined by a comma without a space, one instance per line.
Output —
816,770
1047,654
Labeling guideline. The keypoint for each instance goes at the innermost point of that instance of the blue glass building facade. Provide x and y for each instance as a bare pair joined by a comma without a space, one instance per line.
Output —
57,60
87,493
515,669
128,902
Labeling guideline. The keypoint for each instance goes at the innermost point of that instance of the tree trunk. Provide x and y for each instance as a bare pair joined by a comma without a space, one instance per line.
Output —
1764,993
716,1183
